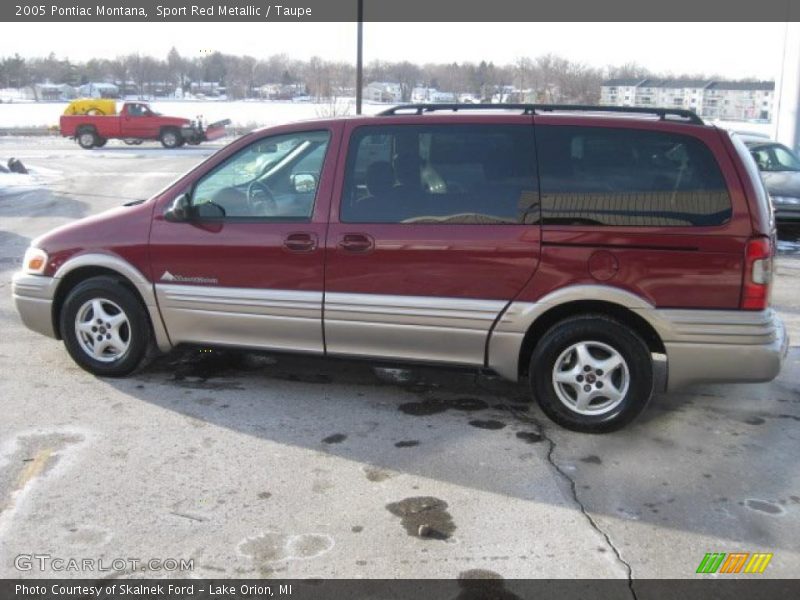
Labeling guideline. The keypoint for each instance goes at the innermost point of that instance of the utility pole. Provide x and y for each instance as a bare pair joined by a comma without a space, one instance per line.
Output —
787,88
360,56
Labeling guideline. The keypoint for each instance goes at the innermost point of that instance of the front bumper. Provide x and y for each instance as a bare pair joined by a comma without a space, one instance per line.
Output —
194,133
33,297
722,346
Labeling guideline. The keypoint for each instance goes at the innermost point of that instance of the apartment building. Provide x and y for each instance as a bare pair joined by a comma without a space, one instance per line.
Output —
620,92
729,100
732,100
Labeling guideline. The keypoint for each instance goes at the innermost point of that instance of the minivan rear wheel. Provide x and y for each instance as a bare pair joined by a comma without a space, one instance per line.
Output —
591,374
105,327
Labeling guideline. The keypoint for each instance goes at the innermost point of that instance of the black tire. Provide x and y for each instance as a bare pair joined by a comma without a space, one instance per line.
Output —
135,334
601,337
100,142
87,139
171,138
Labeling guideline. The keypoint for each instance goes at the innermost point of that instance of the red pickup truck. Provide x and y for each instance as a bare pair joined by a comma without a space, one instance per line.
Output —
137,121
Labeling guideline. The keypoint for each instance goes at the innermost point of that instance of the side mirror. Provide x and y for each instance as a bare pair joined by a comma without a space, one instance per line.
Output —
304,183
209,211
180,210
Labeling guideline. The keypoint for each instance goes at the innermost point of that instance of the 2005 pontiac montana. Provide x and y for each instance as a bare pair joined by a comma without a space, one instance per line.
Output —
603,255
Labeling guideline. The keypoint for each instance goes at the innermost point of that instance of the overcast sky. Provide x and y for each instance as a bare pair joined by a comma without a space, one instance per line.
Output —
733,50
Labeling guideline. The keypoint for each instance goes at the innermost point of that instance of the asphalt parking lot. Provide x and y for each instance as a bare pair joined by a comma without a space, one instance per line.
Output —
253,465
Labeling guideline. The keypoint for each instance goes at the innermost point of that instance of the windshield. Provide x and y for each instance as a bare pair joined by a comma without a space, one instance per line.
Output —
775,157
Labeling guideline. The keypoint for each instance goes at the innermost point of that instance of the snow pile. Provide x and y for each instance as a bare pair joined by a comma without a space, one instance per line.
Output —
15,183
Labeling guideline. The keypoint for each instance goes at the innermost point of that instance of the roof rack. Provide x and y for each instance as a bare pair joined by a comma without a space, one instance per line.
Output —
532,109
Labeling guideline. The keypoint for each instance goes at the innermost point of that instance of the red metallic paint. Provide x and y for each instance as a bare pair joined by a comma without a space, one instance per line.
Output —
246,254
121,232
490,262
700,267
670,267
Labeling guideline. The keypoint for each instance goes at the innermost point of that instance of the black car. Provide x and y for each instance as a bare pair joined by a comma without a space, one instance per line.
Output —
780,168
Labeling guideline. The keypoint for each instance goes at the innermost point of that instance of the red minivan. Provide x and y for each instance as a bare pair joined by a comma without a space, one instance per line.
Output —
601,253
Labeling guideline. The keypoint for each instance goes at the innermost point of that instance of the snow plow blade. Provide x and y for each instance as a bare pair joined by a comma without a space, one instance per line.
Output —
216,130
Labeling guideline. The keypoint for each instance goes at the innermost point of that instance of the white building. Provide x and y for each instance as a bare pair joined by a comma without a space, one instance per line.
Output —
740,100
281,91
206,88
99,90
382,91
49,92
731,100
422,94
619,92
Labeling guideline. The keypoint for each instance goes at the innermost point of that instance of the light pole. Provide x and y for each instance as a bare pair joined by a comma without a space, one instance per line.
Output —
360,56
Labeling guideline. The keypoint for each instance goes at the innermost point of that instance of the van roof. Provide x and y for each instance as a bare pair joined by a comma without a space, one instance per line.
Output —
671,114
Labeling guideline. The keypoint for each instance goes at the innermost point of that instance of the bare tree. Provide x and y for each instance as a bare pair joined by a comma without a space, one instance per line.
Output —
546,78
629,70
241,78
407,75
317,78
118,69
176,68
524,73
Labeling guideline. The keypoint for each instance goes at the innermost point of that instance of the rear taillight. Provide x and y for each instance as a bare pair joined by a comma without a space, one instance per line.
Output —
757,274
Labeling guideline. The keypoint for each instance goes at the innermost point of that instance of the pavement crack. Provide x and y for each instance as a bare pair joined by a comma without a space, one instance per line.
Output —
187,516
551,447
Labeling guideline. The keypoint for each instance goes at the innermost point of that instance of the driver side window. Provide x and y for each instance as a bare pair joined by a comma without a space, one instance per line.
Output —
138,110
273,178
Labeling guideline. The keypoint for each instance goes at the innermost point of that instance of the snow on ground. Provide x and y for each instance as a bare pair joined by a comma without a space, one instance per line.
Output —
12,95
37,177
242,113
11,183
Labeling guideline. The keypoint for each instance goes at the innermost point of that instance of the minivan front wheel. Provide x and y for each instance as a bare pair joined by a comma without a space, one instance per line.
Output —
591,374
105,328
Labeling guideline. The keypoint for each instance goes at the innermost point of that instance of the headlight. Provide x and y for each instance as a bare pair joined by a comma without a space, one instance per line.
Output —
35,261
785,200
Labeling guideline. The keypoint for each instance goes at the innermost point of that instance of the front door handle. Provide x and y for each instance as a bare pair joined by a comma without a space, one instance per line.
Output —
300,242
356,242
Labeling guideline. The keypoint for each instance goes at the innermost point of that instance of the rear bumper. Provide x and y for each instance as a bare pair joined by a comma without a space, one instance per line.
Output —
723,346
33,298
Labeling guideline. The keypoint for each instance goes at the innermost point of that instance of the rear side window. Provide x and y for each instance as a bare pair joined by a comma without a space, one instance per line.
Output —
628,177
762,196
456,174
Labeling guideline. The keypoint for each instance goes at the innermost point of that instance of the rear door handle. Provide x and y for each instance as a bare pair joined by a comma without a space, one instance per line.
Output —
356,242
300,242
